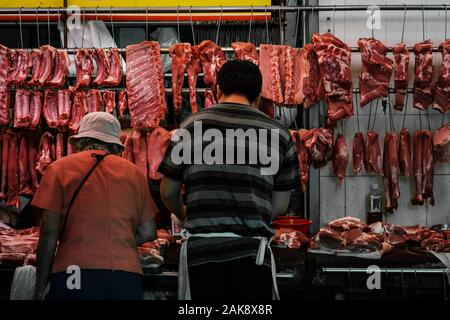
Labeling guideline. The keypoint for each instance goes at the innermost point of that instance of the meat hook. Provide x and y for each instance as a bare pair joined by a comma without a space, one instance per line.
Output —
37,27
96,20
178,24
296,26
20,26
357,111
334,19
406,106
404,22
112,25
218,25
445,6
192,25
146,23
48,24
250,26
267,25
423,23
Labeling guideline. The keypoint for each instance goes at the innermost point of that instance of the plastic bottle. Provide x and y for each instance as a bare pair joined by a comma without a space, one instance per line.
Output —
373,204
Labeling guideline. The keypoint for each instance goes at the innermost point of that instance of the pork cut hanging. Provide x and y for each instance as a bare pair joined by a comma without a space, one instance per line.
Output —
46,152
59,147
390,171
122,105
13,171
210,100
193,69
84,67
79,109
358,152
22,115
372,154
319,143
294,76
61,69
32,157
181,55
423,69
442,86
428,165
140,151
4,92
20,66
127,141
404,153
340,157
50,108
375,72
417,168
24,172
304,159
441,143
5,154
270,67
213,58
48,54
94,101
313,89
109,98
145,87
245,51
334,58
401,57
35,109
102,63
157,142
114,76
64,106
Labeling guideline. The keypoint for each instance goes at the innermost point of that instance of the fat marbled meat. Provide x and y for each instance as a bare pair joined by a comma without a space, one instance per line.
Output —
340,157
94,101
193,69
270,66
114,76
84,67
401,57
145,87
376,70
24,170
22,115
109,99
50,109
442,86
61,69
358,152
245,51
20,66
79,109
213,58
372,154
334,58
122,105
423,69
404,153
157,142
5,63
313,89
181,54
441,143
390,171
48,54
102,63
295,67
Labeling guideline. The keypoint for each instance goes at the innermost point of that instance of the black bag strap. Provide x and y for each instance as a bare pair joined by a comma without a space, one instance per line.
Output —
98,158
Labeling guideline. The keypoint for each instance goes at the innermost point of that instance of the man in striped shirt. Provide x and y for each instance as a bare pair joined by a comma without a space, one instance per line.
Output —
238,168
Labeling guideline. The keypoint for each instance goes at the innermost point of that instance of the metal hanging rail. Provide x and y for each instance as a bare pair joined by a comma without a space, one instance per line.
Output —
386,270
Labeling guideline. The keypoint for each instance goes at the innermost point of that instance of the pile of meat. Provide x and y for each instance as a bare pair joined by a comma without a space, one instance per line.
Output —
146,149
290,238
18,246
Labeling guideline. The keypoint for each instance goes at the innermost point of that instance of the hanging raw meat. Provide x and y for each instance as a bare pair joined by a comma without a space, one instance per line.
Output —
102,62
140,151
48,59
70,148
334,58
50,108
157,142
210,100
390,171
428,165
59,145
270,67
375,72
36,66
24,172
4,91
20,66
404,153
442,86
340,157
5,155
422,92
64,107
94,101
245,51
441,143
304,159
401,56
61,70
32,157
319,143
22,109
109,98
127,141
115,68
145,87
193,69
79,109
213,58
35,109
84,67
358,152
313,89
122,105
417,167
13,171
372,155
46,152
294,77
181,55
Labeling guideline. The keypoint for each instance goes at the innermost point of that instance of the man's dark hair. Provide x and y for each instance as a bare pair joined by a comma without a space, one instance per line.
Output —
241,77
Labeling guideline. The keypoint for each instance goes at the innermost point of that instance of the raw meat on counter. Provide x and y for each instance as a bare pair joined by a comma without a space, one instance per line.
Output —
84,67
18,246
245,51
372,155
375,72
181,55
346,223
213,58
442,87
79,109
404,153
390,172
290,238
441,143
157,142
109,98
270,67
145,87
20,66
61,69
358,152
422,91
334,58
122,105
401,56
193,69
4,91
340,157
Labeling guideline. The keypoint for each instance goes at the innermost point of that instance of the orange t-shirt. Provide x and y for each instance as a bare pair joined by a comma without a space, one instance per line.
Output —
101,226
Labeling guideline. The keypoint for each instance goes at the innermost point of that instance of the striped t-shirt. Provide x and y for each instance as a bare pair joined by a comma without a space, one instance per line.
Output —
230,189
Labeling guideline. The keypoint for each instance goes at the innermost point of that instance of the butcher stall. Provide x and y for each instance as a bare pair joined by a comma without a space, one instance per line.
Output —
364,90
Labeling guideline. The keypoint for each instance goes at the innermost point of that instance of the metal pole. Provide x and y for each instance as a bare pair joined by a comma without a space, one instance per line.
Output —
386,270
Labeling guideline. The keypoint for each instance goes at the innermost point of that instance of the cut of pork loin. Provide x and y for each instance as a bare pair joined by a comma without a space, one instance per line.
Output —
213,58
36,66
32,157
372,154
127,141
79,109
5,153
109,99
102,63
24,172
140,151
122,105
115,68
13,171
417,168
64,107
294,76
375,72
423,69
84,67
334,58
193,69
35,109
390,171
401,56
157,142
50,108
22,109
442,86
59,145
270,66
20,66
428,165
404,153
181,55
313,89
46,152
358,152
4,92
61,69
94,101
340,157
245,51
145,87
47,65
441,143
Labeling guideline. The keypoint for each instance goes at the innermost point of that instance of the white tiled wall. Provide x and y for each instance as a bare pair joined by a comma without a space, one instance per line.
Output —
349,198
